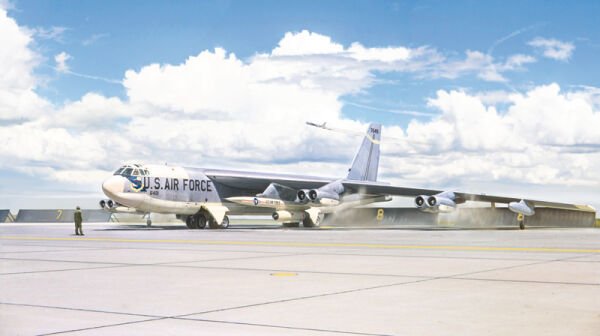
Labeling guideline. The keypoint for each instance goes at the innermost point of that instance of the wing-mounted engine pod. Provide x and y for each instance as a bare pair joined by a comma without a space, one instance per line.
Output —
420,201
302,196
106,204
329,193
319,194
442,202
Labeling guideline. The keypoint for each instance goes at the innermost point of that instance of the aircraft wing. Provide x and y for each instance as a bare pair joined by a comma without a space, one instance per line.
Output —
375,188
259,181
379,188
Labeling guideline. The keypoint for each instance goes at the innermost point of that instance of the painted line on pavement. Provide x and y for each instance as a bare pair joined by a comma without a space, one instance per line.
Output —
306,244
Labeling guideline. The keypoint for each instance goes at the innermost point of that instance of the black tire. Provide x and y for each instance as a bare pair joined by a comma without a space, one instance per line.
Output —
148,222
308,223
224,223
522,226
291,225
200,221
191,223
213,225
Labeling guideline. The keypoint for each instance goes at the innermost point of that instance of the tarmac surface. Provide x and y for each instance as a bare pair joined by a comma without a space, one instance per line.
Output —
264,280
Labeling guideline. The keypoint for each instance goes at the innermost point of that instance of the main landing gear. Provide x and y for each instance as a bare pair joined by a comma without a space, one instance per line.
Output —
521,221
307,222
199,221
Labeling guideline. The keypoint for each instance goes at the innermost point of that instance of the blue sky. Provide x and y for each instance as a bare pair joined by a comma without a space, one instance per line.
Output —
469,83
105,38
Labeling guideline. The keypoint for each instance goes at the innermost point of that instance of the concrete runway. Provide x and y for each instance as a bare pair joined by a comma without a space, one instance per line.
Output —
262,280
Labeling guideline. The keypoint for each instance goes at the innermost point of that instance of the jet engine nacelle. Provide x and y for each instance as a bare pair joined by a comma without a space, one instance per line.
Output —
303,196
284,216
324,197
106,204
442,202
327,195
421,201
521,208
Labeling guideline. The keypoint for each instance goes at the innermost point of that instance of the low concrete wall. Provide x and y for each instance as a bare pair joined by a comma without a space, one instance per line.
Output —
60,216
463,217
4,216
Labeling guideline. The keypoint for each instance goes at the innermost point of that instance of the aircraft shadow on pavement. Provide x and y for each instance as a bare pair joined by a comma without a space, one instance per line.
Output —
143,227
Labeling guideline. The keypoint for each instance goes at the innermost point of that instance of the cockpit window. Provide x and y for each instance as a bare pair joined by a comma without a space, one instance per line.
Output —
131,170
119,171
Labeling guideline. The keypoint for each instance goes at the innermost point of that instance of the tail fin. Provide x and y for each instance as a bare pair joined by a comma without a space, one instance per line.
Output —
366,162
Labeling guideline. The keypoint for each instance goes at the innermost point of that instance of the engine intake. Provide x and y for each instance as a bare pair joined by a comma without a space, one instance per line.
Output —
442,202
106,204
303,196
420,201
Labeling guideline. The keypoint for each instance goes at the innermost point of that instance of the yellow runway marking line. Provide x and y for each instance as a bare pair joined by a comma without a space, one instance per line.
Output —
304,244
284,274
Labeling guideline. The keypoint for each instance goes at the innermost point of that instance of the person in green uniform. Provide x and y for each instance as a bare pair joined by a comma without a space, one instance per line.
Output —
77,216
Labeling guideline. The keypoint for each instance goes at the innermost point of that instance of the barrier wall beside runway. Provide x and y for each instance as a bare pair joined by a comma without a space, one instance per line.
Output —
60,216
464,217
5,216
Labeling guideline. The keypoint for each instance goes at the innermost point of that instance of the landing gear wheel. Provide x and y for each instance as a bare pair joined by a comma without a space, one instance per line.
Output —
308,223
191,222
224,223
200,221
148,222
291,225
521,221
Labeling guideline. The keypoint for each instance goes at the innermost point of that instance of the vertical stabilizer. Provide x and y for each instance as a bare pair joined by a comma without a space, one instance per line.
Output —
366,162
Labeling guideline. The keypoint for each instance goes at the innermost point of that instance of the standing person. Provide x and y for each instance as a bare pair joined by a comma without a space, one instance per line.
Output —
78,218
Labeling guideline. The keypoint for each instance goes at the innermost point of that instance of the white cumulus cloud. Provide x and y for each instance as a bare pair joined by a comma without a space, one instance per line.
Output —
306,43
483,65
215,109
18,100
61,62
553,48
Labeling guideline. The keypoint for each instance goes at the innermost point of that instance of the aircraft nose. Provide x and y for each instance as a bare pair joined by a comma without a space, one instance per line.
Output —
112,186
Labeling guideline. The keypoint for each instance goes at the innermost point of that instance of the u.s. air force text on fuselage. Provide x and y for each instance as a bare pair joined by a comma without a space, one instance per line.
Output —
154,185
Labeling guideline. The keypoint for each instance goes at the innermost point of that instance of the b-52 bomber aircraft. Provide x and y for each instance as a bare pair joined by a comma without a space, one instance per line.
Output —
202,197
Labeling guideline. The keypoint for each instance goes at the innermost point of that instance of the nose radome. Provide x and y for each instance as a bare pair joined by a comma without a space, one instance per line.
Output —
114,185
